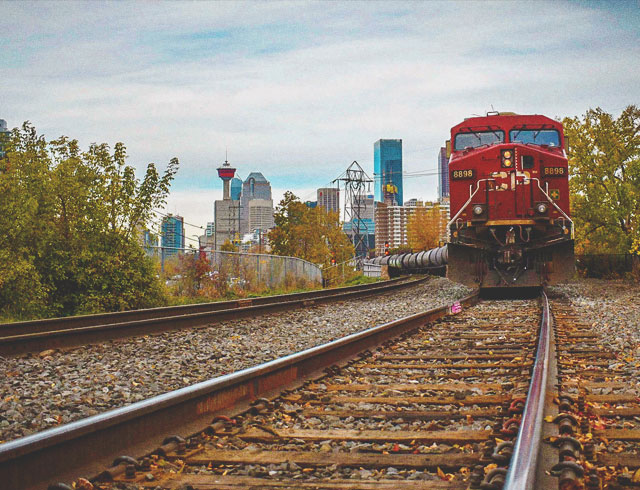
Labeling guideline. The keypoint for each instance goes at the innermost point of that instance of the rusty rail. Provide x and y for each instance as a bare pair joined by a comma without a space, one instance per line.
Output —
37,335
35,460
522,470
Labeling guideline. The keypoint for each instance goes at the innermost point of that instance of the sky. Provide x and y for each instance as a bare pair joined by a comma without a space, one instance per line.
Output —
299,90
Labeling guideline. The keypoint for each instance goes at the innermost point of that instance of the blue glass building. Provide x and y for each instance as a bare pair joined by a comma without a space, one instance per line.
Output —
387,167
172,234
236,188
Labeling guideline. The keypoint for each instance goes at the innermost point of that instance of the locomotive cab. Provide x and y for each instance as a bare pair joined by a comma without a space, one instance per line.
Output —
510,221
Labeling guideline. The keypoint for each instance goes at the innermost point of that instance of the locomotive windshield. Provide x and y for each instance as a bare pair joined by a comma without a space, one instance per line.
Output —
474,139
535,136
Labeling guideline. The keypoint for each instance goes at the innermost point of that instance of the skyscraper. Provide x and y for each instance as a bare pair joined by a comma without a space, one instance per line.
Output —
236,188
255,186
260,215
387,168
172,234
443,173
329,198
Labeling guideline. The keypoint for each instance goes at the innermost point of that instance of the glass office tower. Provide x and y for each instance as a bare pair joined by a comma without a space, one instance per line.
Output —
387,168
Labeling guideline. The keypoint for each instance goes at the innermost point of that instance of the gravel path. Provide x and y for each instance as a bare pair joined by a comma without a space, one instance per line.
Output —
42,391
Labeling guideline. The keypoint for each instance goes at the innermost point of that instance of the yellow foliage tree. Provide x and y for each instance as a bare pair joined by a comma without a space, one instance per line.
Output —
310,234
227,246
423,228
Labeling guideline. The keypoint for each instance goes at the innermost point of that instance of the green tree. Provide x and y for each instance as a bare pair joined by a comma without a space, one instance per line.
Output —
72,220
604,165
288,216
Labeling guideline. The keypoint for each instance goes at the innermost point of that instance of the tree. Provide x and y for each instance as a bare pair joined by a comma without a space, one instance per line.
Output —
71,220
287,217
227,246
195,272
308,233
604,166
423,228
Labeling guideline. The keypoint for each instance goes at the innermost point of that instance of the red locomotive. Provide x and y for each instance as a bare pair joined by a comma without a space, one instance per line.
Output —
510,221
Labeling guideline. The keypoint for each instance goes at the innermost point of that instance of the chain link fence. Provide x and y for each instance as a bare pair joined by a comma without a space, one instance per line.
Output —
248,270
272,271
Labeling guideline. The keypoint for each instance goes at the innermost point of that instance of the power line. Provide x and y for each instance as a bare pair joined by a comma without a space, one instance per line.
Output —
186,223
377,178
161,234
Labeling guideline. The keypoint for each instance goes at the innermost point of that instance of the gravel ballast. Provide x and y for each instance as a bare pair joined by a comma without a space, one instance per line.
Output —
611,307
40,391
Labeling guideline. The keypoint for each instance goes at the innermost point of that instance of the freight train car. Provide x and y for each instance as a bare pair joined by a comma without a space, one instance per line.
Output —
510,221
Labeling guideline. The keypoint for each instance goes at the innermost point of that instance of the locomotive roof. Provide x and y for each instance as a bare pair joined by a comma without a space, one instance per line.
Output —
506,121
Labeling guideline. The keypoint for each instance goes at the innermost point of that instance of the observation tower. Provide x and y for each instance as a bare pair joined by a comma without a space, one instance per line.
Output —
226,172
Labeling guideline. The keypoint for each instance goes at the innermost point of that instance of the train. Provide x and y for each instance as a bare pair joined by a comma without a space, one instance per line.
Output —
510,222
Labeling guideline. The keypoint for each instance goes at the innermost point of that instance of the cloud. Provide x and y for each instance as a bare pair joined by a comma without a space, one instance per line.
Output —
300,90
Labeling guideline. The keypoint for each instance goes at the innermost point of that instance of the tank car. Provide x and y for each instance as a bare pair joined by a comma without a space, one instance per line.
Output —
509,202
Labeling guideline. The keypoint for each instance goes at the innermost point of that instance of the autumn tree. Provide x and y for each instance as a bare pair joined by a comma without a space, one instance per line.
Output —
227,246
311,234
423,228
71,220
604,165
195,271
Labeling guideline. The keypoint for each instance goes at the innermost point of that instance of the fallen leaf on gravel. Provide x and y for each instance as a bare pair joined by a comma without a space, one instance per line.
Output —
83,484
46,353
489,467
443,475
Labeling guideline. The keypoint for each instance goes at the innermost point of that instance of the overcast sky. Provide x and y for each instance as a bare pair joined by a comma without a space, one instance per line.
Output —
298,90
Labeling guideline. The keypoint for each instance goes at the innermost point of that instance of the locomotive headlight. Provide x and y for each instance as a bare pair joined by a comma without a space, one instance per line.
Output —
507,158
541,208
477,210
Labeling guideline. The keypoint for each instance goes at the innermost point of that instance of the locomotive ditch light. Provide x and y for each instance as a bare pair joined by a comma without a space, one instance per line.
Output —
541,208
478,210
507,158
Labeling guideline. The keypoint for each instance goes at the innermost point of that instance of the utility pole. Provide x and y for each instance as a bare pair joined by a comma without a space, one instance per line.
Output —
355,181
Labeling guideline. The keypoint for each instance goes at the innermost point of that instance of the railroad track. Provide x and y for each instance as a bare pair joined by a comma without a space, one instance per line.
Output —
437,407
421,412
40,335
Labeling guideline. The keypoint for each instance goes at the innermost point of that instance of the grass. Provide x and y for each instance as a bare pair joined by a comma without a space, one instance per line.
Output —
357,280
174,300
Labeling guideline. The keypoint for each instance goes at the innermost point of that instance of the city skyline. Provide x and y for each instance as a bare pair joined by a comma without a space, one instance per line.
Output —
289,90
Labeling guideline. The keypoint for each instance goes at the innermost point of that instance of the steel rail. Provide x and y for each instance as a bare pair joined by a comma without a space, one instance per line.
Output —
522,470
36,460
48,324
63,334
